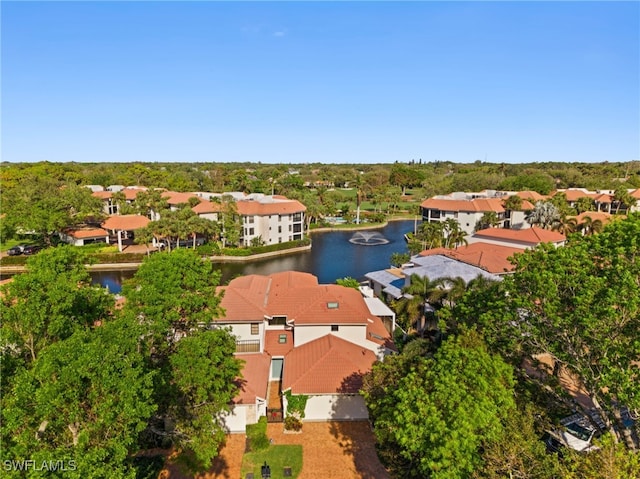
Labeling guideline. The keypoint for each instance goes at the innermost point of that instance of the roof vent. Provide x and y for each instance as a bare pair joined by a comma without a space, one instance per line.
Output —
332,305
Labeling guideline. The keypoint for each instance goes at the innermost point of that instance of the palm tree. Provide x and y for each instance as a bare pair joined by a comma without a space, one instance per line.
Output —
565,225
622,197
544,215
488,220
590,226
418,295
145,236
453,235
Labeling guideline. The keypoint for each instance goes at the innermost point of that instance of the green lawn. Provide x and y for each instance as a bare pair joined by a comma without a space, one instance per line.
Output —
277,457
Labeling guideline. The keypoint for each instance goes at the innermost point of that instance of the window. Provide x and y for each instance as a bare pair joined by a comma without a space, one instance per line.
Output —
251,220
334,327
290,228
279,218
251,231
279,229
278,321
255,329
282,339
333,305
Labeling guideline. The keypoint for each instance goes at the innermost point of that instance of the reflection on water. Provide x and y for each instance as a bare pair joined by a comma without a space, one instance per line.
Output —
331,257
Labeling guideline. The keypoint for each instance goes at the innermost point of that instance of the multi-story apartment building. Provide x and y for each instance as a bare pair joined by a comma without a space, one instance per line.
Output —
272,219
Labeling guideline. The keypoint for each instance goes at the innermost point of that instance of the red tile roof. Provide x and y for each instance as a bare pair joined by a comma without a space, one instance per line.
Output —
255,378
595,215
87,233
279,207
532,235
125,222
490,257
604,198
293,294
377,333
272,344
206,206
175,198
475,205
327,365
129,193
636,193
531,195
574,195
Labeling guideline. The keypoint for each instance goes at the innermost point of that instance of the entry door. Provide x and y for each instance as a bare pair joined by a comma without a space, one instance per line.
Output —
276,369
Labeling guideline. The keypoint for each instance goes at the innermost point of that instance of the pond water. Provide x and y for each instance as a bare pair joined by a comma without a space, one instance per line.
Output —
332,256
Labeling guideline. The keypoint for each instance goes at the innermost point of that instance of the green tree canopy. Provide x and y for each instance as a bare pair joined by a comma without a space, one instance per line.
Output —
49,302
85,399
443,409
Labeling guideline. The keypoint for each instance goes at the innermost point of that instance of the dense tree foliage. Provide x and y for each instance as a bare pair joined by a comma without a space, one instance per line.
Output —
85,399
581,305
50,302
437,412
172,302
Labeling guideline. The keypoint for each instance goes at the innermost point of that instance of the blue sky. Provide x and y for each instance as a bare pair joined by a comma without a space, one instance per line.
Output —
331,82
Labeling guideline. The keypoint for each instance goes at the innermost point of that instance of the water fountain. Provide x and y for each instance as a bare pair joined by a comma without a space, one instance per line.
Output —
368,238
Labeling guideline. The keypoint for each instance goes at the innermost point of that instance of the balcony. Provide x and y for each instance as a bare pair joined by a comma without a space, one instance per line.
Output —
248,346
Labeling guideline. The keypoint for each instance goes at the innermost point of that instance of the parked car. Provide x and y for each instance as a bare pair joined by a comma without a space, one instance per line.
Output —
28,250
16,250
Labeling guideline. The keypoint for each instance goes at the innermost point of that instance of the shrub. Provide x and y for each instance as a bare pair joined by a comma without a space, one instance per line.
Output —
292,423
257,435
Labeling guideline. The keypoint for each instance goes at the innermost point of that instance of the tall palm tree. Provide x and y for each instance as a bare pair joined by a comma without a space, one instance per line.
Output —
453,234
488,220
565,224
622,197
590,226
419,294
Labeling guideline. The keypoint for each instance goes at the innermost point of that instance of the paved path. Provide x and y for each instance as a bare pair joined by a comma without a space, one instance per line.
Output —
331,450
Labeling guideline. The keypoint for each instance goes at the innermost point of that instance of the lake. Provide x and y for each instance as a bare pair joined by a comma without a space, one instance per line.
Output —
332,257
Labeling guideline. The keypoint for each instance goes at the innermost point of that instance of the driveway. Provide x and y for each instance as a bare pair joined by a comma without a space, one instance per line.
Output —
337,450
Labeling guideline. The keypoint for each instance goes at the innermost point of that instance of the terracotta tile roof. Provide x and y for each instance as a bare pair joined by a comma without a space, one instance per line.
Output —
293,294
125,222
206,206
475,205
532,235
129,193
272,344
176,198
87,233
595,215
327,365
103,195
636,193
255,377
323,304
531,195
574,195
490,257
242,304
377,333
278,207
604,198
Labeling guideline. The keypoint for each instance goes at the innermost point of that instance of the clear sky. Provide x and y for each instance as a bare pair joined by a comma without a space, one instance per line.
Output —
332,82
